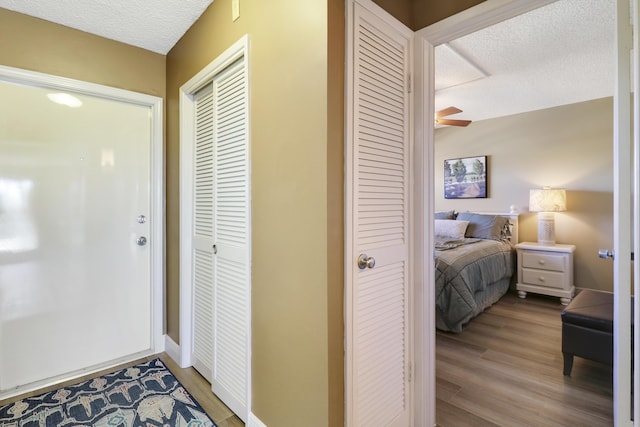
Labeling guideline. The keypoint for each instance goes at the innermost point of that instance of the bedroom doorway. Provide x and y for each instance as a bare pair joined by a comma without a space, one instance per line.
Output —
473,20
81,238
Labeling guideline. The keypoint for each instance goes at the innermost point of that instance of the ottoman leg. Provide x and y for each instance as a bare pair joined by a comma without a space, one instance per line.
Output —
568,363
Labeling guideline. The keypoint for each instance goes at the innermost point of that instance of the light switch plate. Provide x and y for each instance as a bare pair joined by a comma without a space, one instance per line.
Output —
235,9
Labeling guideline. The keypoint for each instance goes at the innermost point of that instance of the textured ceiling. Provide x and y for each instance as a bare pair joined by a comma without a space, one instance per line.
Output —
155,25
555,55
559,54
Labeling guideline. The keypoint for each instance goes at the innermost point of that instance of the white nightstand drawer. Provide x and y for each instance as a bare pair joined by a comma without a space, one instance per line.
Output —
544,261
550,279
545,269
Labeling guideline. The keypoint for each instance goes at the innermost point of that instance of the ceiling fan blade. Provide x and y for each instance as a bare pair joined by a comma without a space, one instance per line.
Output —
452,122
447,112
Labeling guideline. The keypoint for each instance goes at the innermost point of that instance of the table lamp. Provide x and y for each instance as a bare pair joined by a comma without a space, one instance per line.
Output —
546,201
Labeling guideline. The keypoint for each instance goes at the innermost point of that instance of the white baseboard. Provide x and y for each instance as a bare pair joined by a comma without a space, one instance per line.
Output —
172,349
254,421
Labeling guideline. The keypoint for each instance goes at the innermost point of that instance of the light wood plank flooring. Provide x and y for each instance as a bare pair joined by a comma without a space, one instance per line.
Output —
199,388
505,369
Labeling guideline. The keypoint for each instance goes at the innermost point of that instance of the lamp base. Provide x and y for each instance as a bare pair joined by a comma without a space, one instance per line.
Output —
546,228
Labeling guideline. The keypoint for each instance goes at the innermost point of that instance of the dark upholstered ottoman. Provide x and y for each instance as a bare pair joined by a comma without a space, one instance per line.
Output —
587,328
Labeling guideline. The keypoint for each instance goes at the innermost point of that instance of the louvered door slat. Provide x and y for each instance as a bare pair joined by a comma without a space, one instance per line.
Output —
381,185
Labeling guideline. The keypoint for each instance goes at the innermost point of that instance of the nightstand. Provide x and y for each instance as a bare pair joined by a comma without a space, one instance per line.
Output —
546,269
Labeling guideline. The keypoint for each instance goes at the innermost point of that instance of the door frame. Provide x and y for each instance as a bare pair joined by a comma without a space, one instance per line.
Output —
625,141
182,355
156,194
466,22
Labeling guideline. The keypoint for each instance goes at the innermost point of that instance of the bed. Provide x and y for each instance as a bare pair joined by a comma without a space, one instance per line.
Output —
474,264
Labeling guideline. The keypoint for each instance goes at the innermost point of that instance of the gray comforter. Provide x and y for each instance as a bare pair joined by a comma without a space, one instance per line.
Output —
471,274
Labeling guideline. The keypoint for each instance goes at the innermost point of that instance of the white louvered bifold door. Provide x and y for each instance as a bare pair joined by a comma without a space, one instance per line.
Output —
380,371
232,239
222,238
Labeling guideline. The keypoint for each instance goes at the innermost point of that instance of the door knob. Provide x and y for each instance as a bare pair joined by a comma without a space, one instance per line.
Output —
605,253
141,241
365,261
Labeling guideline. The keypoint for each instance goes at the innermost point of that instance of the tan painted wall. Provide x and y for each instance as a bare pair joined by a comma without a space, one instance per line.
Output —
296,177
566,147
427,12
38,45
417,14
400,9
335,210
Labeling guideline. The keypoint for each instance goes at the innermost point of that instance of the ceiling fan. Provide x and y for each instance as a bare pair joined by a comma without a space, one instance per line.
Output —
450,122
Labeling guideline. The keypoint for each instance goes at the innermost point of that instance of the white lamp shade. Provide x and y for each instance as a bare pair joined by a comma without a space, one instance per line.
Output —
547,200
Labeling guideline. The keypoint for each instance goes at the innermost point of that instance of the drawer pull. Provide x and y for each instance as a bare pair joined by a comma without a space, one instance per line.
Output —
541,261
541,278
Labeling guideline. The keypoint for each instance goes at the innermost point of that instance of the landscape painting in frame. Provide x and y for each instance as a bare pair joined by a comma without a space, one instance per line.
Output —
465,178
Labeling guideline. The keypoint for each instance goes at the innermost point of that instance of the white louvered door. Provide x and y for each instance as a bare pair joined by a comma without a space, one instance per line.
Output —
379,353
231,234
222,238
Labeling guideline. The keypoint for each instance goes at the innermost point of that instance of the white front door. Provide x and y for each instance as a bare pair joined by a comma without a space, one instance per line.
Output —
378,157
75,197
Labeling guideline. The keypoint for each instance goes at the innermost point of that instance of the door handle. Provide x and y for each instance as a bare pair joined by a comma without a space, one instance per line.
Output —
365,261
141,241
605,253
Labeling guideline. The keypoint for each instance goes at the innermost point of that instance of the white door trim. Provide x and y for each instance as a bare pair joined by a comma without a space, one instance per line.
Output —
635,66
622,205
468,21
157,181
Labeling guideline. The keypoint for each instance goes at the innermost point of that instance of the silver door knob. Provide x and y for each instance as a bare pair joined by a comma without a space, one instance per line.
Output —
141,241
365,261
605,253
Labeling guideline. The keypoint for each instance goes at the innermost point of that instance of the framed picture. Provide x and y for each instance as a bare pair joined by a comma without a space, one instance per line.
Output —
465,178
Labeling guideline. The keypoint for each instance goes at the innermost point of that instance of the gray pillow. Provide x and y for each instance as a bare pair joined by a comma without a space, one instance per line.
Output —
483,226
445,215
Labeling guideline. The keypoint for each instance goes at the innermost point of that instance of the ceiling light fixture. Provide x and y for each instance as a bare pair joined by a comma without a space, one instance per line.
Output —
65,99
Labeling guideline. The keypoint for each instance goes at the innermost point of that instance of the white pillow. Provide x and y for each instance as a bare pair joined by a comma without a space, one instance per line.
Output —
451,228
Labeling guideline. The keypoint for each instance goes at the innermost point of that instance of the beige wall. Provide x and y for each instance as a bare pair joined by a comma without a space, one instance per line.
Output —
566,147
335,210
417,14
400,9
296,111
427,12
38,45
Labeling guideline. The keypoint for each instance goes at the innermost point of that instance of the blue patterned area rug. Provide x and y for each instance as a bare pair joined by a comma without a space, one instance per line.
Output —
144,395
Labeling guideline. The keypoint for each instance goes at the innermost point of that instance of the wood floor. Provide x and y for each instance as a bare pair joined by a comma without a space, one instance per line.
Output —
199,388
505,369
